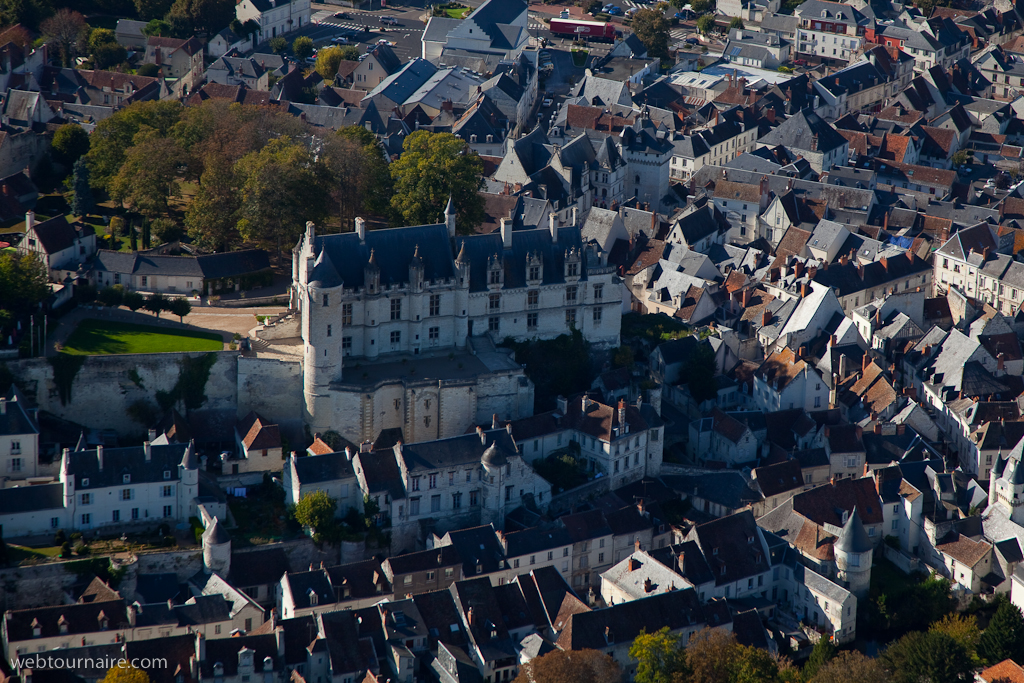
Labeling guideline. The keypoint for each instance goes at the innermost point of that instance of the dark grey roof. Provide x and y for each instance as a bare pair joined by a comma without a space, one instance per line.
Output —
233,263
257,567
57,234
154,588
798,131
315,469
466,449
130,460
854,538
728,488
535,540
32,498
216,533
342,259
14,419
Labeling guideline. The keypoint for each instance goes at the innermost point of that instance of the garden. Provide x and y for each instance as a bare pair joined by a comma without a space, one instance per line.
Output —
106,337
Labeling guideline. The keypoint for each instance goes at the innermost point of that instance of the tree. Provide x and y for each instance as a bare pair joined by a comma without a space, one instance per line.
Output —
360,180
124,672
571,666
81,202
699,372
851,667
133,242
180,307
1004,637
961,628
111,296
156,303
278,44
962,157
200,16
28,13
281,187
702,6
823,651
23,285
69,143
624,357
931,657
115,135
432,168
706,24
211,219
660,657
152,9
157,28
303,47
327,61
316,511
753,665
149,175
133,301
651,27
736,23
150,70
350,53
67,30
109,55
710,656
101,36
165,230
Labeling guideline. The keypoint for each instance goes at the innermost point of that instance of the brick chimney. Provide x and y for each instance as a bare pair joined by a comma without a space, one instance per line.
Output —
746,298
766,317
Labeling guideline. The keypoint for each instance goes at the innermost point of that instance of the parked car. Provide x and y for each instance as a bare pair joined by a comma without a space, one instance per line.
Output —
341,15
340,40
615,11
546,102
384,41
389,21
692,41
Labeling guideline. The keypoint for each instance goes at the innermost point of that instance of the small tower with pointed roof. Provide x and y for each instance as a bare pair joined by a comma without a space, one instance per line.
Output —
216,549
449,218
853,550
1006,487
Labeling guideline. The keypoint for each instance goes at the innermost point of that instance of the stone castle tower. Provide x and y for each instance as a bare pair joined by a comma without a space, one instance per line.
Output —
216,549
853,550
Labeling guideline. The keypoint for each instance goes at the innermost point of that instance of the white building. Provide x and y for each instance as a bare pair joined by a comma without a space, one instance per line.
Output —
786,381
19,440
58,244
275,17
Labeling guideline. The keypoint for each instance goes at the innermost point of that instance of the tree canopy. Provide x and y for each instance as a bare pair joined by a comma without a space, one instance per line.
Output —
927,657
125,674
432,168
69,143
651,27
659,656
23,279
706,23
572,666
316,510
1004,637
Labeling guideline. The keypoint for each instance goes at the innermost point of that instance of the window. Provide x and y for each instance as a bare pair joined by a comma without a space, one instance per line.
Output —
435,304
494,302
493,324
531,321
328,330
116,516
570,295
346,344
126,479
432,481
167,491
533,298
456,501
127,494
54,522
325,300
597,316
135,513
533,559
346,314
469,476
430,576
448,572
570,317
472,498
534,273
396,337
414,506
168,511
451,478
15,447
435,503
86,518
86,499
145,281
572,269
495,278
600,558
407,580
598,292
508,493
15,464
434,333
415,483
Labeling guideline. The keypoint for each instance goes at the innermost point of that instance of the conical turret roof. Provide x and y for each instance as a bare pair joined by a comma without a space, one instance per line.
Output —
216,533
854,538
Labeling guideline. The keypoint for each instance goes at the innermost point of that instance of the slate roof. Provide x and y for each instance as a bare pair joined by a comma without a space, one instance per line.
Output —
257,567
732,546
779,478
423,560
130,460
797,132
56,234
316,469
80,618
727,488
225,651
825,504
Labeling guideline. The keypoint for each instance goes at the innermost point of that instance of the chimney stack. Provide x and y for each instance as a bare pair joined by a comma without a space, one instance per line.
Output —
148,448
506,232
99,457
766,317
482,435
622,416
361,229
30,220
553,227
494,421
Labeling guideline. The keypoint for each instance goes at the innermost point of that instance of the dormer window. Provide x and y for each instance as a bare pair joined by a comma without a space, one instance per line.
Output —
37,628
62,624
85,482
126,478
167,474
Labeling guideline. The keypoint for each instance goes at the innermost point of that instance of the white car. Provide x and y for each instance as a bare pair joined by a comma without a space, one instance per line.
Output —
340,40
546,102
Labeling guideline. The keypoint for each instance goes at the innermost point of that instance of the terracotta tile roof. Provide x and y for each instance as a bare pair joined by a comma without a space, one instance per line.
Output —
894,147
599,420
1015,45
727,189
1007,670
728,426
759,298
735,281
259,434
880,396
780,368
858,141
825,504
649,255
319,447
690,302
815,542
595,118
793,242
867,378
965,551
941,138
934,224
899,113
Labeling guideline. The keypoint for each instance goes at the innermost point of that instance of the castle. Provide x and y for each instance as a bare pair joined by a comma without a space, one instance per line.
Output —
399,326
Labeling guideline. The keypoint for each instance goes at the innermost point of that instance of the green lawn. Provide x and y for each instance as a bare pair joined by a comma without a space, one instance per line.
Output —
103,337
21,553
458,13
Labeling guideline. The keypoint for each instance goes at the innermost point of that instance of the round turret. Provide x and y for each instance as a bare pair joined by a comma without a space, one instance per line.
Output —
493,459
216,549
853,551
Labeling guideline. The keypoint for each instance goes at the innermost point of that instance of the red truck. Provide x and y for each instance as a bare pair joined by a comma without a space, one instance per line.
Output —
573,28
